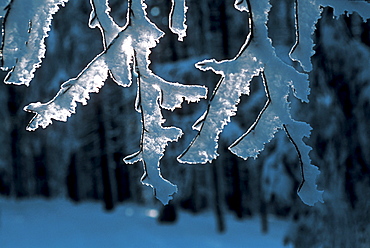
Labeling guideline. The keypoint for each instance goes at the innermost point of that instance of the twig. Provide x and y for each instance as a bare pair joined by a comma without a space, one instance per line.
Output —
299,157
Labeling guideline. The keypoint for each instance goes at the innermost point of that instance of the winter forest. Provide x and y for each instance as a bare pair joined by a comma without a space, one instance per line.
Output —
240,108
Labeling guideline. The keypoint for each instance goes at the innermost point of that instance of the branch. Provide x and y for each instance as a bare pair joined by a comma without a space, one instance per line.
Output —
255,56
299,157
177,18
25,26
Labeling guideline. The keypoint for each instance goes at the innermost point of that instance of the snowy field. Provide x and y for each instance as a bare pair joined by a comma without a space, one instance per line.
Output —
59,223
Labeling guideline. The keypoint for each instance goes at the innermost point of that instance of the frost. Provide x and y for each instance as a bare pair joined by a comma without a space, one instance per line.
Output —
177,18
65,102
100,18
25,26
257,57
126,58
307,15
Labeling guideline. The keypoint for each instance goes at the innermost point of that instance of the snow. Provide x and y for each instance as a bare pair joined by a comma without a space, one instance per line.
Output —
60,223
126,57
26,26
257,57
177,18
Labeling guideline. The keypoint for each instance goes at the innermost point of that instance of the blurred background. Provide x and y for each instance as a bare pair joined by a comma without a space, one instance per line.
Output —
81,160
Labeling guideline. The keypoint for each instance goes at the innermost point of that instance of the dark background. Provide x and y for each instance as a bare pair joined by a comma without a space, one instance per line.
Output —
82,159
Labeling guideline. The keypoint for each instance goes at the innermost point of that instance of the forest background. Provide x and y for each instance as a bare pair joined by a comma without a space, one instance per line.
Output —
82,159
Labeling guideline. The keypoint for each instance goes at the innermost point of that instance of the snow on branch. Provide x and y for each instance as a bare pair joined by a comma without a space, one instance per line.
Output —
126,59
307,15
100,18
177,18
257,57
25,26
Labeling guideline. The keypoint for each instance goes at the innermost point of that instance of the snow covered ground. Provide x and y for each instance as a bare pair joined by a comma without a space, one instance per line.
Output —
60,223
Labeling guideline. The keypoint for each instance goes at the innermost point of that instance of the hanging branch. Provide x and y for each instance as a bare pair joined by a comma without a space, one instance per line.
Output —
253,126
23,39
236,75
126,57
299,157
296,24
177,18
307,13
235,79
256,57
